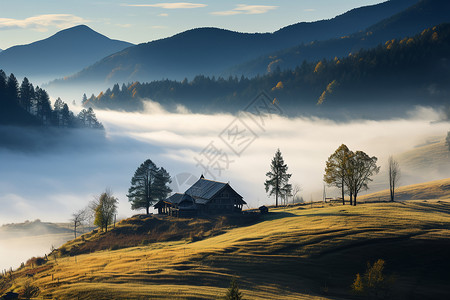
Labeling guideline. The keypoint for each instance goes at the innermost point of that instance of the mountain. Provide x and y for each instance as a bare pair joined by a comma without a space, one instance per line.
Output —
62,54
378,83
416,18
210,51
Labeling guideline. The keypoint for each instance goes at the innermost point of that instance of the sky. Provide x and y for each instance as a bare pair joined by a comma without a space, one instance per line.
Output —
138,21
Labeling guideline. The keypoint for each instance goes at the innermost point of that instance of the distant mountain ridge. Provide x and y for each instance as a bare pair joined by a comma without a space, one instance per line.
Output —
62,54
210,51
424,14
378,83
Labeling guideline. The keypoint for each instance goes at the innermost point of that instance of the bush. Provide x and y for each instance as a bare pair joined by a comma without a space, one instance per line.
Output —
374,284
36,261
29,291
63,251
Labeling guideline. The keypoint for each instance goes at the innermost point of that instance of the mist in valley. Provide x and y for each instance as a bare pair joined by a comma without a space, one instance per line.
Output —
57,178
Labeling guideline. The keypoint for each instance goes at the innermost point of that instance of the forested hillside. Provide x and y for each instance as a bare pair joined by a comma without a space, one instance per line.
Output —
27,105
422,15
399,73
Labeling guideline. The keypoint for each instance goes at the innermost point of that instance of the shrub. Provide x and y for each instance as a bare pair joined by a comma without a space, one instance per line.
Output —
36,261
29,290
63,251
374,284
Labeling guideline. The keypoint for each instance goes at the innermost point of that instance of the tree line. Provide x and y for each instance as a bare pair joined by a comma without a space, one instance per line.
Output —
399,64
34,102
349,171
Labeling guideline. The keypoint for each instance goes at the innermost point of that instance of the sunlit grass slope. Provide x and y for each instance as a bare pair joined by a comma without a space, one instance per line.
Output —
298,252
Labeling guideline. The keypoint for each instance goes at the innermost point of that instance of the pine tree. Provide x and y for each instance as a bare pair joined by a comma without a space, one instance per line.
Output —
12,89
233,292
84,99
26,94
148,185
278,182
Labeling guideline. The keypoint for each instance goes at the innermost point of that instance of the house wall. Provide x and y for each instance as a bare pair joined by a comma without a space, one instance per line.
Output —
225,202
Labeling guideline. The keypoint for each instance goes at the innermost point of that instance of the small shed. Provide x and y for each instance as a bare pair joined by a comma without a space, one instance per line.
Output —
263,209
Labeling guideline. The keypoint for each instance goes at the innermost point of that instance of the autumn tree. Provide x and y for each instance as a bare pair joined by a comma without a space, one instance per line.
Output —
105,209
148,185
374,284
336,169
361,168
394,176
278,178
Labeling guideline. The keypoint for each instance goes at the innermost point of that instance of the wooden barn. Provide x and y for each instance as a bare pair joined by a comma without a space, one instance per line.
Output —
205,197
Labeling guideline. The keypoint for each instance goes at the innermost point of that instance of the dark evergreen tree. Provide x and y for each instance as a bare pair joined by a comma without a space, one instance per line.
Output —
148,185
84,99
26,94
12,89
43,106
278,182
233,292
66,117
3,80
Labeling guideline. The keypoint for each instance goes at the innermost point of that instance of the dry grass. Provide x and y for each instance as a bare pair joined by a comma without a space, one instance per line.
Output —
293,253
439,189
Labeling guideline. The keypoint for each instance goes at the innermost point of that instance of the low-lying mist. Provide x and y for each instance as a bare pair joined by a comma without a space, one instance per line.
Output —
50,183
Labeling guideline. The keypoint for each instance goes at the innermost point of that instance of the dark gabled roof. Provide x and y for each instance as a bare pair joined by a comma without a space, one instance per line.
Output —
204,190
200,192
175,198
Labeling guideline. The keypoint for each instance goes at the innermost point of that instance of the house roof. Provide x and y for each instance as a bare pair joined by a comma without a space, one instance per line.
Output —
202,191
205,189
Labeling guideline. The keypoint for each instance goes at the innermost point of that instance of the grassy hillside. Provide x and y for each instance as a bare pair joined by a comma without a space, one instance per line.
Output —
292,253
432,156
439,189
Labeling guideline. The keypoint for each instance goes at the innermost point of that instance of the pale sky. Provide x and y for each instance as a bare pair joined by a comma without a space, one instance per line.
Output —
138,21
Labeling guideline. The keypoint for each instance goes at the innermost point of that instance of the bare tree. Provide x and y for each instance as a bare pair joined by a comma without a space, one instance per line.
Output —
295,190
394,176
77,219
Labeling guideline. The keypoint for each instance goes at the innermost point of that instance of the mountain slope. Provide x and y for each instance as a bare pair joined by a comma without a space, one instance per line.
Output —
379,83
61,54
210,51
411,21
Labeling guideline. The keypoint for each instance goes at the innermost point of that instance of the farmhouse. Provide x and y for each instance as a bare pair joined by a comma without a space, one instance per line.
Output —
205,197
